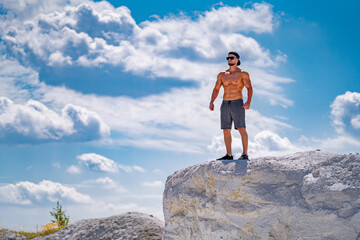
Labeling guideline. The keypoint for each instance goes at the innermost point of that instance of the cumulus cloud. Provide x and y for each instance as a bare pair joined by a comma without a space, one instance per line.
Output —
26,193
355,122
96,32
345,113
34,121
72,34
99,163
25,9
267,141
106,182
16,80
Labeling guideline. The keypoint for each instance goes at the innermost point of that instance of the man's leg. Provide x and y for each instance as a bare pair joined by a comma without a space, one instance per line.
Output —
227,140
244,139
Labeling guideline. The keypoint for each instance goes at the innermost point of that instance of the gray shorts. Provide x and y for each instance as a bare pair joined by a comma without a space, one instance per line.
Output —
232,111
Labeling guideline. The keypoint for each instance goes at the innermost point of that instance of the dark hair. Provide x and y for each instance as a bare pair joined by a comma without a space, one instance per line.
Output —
237,56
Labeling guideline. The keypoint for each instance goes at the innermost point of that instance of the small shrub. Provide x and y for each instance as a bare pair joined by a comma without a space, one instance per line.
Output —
60,218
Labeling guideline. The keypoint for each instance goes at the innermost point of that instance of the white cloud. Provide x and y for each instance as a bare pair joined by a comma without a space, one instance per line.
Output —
258,19
97,162
73,169
34,121
16,80
210,35
69,32
153,184
100,163
57,58
345,113
28,8
54,35
107,182
25,193
271,141
355,122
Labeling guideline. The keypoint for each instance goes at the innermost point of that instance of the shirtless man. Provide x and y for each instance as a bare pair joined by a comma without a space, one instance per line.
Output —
233,108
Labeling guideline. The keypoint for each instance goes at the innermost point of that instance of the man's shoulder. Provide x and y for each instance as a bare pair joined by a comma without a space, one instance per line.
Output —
245,74
221,73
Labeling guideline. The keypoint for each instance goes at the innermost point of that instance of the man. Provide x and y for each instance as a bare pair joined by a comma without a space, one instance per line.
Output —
233,108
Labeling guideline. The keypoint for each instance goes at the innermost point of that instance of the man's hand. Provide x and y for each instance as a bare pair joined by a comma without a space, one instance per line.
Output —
246,105
211,107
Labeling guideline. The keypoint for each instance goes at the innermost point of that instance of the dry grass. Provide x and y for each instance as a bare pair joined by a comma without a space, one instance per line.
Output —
45,230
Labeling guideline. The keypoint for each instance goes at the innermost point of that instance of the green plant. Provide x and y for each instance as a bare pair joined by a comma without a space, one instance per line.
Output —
60,218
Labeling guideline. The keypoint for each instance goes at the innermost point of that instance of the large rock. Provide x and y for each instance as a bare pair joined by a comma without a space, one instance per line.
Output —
128,226
10,235
307,195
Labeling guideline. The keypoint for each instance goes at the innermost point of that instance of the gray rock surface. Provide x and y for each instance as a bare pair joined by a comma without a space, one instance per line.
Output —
9,235
307,195
128,226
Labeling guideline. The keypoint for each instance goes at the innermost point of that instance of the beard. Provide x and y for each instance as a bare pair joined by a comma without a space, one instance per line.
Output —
231,64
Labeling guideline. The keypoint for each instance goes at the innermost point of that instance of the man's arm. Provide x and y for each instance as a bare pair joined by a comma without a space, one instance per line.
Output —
215,91
247,83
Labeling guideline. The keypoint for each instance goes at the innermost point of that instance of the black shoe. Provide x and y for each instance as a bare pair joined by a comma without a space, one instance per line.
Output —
244,157
226,157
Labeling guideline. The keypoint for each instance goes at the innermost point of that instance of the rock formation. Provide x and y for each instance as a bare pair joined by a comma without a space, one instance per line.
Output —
9,235
128,226
307,195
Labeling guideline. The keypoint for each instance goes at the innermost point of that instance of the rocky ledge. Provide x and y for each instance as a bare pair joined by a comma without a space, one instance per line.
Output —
307,195
128,226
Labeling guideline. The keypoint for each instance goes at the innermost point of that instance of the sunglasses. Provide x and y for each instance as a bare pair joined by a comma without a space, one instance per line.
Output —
231,58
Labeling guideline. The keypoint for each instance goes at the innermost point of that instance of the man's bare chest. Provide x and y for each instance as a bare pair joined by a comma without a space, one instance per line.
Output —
232,79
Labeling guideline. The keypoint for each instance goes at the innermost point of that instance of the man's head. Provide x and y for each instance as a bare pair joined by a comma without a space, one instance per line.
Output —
232,58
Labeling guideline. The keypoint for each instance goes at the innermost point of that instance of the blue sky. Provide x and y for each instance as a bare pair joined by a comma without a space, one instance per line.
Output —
101,101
